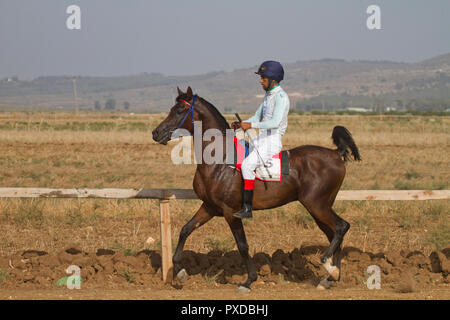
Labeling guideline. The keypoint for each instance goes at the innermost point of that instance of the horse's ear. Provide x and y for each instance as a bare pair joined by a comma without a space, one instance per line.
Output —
179,91
189,92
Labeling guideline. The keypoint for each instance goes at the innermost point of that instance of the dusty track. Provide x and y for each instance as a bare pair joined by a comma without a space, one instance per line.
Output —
298,292
282,275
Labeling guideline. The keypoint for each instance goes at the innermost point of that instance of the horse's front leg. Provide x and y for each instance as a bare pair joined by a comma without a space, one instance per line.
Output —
237,229
203,215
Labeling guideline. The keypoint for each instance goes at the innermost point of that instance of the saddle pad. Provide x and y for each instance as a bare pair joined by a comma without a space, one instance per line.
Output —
279,164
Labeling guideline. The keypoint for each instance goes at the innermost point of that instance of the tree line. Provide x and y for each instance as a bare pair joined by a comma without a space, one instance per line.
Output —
110,104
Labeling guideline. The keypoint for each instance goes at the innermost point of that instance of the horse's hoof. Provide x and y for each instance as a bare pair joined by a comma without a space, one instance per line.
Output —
323,285
243,289
332,270
181,275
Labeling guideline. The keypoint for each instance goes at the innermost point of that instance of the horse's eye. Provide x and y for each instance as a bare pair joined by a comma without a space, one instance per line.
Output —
180,110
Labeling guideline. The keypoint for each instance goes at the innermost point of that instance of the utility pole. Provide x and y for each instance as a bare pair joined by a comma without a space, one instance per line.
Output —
75,98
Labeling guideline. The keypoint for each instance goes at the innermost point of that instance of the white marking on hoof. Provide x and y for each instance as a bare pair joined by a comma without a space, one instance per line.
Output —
323,285
181,275
332,270
243,289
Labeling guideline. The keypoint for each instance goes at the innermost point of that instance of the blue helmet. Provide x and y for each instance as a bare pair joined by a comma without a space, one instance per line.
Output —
271,69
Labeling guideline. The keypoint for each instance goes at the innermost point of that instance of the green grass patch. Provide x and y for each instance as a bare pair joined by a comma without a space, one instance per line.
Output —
212,278
128,275
3,275
223,245
439,236
363,223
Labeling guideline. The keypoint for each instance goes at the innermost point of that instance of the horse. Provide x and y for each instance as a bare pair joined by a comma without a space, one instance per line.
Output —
315,177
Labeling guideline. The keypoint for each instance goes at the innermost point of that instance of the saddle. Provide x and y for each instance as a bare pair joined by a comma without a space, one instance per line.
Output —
279,168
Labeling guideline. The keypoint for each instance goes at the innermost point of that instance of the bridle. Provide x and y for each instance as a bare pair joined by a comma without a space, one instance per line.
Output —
190,111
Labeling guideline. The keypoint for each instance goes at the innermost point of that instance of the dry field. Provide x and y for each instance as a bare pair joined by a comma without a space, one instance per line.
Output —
39,238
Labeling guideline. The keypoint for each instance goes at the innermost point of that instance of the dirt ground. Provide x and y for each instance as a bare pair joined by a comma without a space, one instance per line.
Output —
286,293
283,275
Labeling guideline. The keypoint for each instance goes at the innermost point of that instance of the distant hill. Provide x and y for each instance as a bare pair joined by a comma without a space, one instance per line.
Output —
318,84
436,62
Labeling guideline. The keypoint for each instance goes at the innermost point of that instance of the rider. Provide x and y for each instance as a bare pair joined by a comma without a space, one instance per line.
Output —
271,118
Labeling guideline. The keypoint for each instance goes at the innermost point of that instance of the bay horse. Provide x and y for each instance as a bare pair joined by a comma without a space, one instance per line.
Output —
316,175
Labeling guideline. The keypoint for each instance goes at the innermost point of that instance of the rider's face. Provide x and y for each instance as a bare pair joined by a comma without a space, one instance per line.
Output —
264,81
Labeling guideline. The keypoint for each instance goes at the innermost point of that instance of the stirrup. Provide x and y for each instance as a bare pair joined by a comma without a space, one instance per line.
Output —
245,213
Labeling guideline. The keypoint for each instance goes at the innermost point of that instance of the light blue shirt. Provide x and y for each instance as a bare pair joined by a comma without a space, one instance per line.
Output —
273,111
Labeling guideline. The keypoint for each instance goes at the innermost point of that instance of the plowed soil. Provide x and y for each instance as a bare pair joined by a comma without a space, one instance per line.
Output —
33,274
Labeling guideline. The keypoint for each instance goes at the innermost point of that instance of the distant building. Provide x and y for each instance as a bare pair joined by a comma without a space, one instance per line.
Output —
10,79
358,109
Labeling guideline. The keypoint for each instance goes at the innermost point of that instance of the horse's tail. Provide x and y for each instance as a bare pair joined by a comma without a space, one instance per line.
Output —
343,140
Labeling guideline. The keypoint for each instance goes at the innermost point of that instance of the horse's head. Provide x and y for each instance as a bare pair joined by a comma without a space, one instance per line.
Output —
178,118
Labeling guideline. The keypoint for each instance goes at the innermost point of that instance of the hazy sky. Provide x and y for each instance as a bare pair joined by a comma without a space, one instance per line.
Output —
197,36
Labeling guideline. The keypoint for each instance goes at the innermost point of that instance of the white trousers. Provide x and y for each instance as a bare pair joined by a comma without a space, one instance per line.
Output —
267,146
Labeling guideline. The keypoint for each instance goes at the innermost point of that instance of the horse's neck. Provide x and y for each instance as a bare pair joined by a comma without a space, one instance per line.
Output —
211,118
212,125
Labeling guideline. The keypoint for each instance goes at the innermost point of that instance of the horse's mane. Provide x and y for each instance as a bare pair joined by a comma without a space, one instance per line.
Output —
210,107
215,112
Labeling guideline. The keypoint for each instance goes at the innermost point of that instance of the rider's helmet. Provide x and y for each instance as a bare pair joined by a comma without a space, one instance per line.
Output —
271,69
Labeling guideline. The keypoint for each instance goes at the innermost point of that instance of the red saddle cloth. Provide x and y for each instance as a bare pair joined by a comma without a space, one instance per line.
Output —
242,151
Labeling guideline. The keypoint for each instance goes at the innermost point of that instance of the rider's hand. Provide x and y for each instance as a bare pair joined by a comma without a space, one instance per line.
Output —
235,125
246,125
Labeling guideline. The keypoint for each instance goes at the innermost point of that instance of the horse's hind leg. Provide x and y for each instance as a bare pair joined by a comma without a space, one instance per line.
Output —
202,216
331,259
334,228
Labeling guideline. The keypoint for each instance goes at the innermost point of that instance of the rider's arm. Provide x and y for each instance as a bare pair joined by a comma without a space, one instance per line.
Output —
281,104
256,117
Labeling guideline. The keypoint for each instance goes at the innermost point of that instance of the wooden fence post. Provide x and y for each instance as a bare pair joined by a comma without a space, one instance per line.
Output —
166,239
